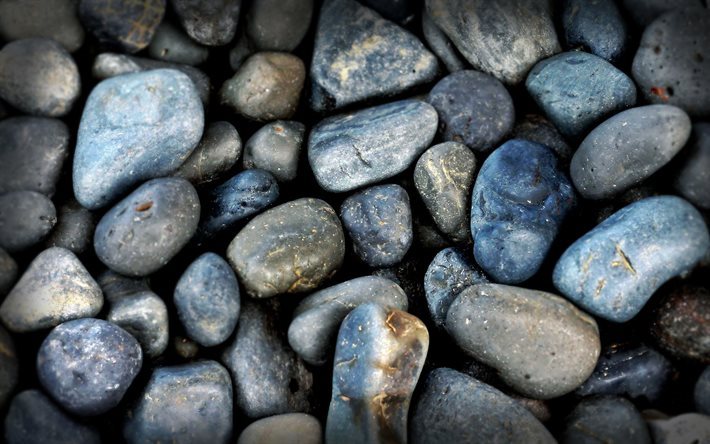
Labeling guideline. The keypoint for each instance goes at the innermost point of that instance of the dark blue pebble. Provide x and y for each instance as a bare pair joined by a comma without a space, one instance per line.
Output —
595,26
607,419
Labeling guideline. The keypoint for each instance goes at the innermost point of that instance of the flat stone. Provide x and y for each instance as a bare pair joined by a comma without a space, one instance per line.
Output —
504,39
520,200
144,231
276,148
536,128
701,393
614,269
441,45
360,148
688,427
171,44
317,318
8,272
359,55
87,365
118,148
187,403
694,173
209,22
550,349
216,154
291,248
293,428
577,90
9,366
54,19
278,25
643,12
378,359
605,419
597,27
74,229
456,408
126,25
26,217
144,315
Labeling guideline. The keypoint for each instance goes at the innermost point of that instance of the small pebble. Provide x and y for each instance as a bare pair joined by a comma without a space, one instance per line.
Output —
605,420
535,128
9,367
171,44
597,27
8,272
126,25
694,173
685,428
276,148
701,393
278,25
74,229
289,428
26,217
441,45
216,154
54,19
144,315
208,22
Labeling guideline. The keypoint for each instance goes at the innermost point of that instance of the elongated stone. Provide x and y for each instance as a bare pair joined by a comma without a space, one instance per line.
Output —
144,315
9,365
317,318
441,45
26,217
378,360
540,344
363,147
605,419
615,268
216,154
295,428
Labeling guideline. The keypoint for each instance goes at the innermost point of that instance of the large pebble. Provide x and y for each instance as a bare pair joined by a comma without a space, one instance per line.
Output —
215,155
455,408
292,248
605,419
441,45
519,201
54,19
378,359
87,365
74,229
685,428
360,148
8,272
134,127
127,25
26,217
209,22
597,27
276,148
141,233
701,392
694,173
540,344
9,367
289,428
614,269
171,44
144,315
278,25
317,318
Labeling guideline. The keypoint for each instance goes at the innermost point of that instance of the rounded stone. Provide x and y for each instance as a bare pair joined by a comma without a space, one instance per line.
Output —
216,154
26,217
171,44
701,393
9,366
278,25
276,148
144,315
605,419
54,19
74,229
127,25
597,27
209,22
291,428
694,173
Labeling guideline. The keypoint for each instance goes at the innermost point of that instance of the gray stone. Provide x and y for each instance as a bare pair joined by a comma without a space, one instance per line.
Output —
694,174
596,26
74,229
289,428
9,366
26,217
216,154
278,25
209,22
441,45
701,393
276,148
685,428
8,272
171,44
605,419
54,19
115,286
126,25
144,315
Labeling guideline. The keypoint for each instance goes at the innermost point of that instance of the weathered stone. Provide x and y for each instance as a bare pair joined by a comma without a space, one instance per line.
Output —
123,24
216,154
144,315
276,148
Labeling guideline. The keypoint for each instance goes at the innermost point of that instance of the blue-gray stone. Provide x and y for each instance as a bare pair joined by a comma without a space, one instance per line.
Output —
294,428
145,230
577,90
54,19
643,12
595,26
74,229
207,300
317,318
364,147
190,403
134,127
34,419
278,25
8,272
474,109
378,359
628,148
358,55
520,199
441,45
144,315
9,365
216,154
615,268
87,365
608,419
455,408
379,222
209,22
276,148
693,175
449,273
701,393
26,217
688,427
170,44
122,24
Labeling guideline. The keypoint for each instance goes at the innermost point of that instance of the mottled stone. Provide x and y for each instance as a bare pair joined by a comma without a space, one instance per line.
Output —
359,55
38,77
74,228
549,350
289,428
171,44
504,39
291,248
441,45
378,359
9,366
127,25
54,19
694,174
643,12
455,408
141,233
685,428
278,25
317,318
282,383
701,393
88,364
26,217
535,128
144,315
615,268
364,147
276,148
577,90
605,419
134,127
190,403
216,154
8,272
519,201
595,26
209,22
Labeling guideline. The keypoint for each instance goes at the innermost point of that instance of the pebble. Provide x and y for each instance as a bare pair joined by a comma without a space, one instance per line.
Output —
34,419
189,403
39,77
9,366
317,318
456,408
207,300
171,44
145,230
605,419
278,25
597,27
289,428
116,286
359,56
291,248
118,148
363,147
577,90
701,393
34,151
266,87
479,321
208,22
614,269
74,229
379,223
519,201
672,64
685,428
536,128
54,19
504,39
8,272
283,383
144,315
450,272
643,12
443,177
124,25
216,154
694,173
276,148
26,217
378,359
474,109
88,364
441,45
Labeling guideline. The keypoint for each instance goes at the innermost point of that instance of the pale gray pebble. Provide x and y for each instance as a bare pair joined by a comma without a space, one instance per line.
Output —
441,45
643,12
607,419
276,148
74,229
26,217
289,428
54,19
171,44
144,315
278,25
216,154
8,272
693,176
685,428
9,366
209,22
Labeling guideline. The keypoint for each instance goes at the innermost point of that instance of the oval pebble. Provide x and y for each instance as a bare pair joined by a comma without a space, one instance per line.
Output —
26,217
209,22
694,173
171,44
215,155
278,25
276,148
122,24
289,428
605,419
597,27
144,315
